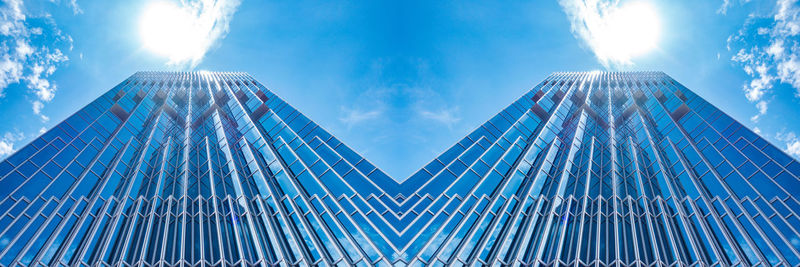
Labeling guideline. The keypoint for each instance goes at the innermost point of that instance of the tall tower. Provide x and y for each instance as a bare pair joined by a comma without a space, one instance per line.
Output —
627,168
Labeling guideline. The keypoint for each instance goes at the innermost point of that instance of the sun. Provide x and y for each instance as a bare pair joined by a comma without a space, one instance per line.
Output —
628,31
171,31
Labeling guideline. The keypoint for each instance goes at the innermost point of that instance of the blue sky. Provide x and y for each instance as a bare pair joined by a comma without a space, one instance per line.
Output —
399,81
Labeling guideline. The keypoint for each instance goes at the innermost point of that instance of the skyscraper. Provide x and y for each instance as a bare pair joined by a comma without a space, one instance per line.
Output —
627,168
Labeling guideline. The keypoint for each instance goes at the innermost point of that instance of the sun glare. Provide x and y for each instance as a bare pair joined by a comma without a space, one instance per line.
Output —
171,31
628,31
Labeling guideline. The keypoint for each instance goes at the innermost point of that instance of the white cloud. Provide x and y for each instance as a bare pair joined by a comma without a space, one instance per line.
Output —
23,49
762,109
37,109
793,148
41,87
7,142
786,18
29,55
776,48
10,72
6,148
789,72
792,142
758,87
768,51
742,56
186,32
447,116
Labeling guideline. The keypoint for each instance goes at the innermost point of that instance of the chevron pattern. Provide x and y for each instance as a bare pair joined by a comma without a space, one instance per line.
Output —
212,168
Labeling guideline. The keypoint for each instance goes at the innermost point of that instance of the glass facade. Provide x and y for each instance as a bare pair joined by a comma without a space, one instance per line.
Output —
212,168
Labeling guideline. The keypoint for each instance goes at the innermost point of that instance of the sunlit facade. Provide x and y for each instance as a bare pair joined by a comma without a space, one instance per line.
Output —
212,168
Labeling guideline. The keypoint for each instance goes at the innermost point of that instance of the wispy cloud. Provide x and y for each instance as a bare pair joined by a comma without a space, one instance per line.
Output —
446,116
768,51
73,4
351,117
724,7
369,106
213,17
614,32
76,9
30,55
197,25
